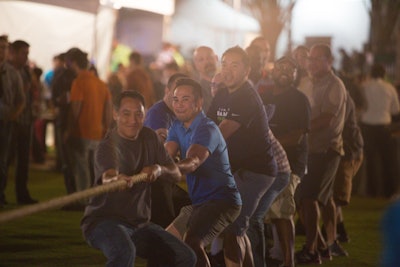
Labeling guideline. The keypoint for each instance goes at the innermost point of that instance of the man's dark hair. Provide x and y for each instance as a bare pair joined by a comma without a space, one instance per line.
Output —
128,93
258,39
175,77
286,59
4,38
377,71
18,45
172,66
301,47
239,51
136,57
196,87
78,56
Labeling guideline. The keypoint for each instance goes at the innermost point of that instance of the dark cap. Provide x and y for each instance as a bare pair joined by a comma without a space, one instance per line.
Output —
288,60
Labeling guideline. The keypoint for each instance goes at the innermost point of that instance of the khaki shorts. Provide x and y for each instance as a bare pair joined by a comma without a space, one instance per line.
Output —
284,205
344,180
207,220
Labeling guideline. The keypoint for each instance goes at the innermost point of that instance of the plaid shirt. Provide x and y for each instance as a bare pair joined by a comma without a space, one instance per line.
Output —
279,154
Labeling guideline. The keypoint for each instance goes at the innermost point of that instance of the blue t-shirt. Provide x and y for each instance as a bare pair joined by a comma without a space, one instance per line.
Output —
250,146
212,180
159,116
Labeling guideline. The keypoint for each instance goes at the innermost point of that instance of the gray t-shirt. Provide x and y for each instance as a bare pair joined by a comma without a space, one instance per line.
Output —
329,96
133,205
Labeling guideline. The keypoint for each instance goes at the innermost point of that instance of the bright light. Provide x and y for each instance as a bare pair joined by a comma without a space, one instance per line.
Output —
164,7
347,21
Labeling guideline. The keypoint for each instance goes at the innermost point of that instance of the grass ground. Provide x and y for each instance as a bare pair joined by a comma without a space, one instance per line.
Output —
53,238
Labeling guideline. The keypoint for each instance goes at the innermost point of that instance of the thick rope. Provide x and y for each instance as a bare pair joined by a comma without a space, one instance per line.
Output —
68,199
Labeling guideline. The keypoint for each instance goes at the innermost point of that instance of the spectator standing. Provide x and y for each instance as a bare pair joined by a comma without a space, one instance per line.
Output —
90,115
138,79
22,134
381,103
12,101
60,95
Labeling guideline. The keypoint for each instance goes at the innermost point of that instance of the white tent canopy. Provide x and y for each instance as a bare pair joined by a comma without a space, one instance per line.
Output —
209,22
52,27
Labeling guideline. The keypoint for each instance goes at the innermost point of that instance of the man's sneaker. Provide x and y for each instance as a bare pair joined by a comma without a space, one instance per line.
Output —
343,238
304,257
337,250
325,254
342,235
217,260
299,228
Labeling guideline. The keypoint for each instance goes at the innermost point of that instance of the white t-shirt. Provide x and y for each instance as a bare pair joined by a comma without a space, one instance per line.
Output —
381,102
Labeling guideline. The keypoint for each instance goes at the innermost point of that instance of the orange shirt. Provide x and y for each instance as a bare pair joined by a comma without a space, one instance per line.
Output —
93,94
139,80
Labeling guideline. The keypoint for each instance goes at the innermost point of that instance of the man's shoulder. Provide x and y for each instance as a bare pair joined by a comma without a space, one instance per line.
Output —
158,108
298,95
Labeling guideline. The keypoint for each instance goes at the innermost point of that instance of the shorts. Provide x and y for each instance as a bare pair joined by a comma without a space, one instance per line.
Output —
284,206
317,184
207,220
344,180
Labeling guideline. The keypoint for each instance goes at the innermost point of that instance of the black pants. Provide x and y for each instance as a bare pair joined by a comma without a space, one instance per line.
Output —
20,151
380,159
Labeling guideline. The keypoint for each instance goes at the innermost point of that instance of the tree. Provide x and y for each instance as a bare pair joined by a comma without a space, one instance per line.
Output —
272,16
384,15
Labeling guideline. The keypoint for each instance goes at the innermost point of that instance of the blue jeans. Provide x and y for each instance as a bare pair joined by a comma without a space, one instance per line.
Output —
120,243
81,165
256,227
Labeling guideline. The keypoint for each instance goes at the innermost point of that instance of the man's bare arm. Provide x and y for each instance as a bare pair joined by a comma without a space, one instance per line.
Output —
195,156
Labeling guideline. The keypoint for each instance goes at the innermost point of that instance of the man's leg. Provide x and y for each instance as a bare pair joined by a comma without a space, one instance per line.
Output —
24,134
285,230
329,218
115,241
5,140
252,188
207,221
160,248
256,229
311,215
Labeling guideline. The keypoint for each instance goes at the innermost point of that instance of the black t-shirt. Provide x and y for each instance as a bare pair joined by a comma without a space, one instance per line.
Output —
133,205
249,147
292,113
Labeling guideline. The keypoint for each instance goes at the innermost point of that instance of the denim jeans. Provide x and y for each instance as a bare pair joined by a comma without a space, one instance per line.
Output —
81,165
120,243
256,227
